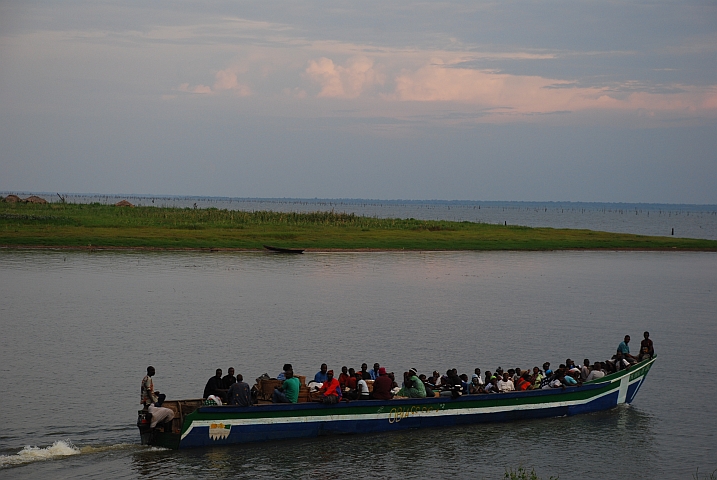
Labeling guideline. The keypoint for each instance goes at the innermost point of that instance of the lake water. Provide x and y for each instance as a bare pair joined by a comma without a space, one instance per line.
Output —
80,328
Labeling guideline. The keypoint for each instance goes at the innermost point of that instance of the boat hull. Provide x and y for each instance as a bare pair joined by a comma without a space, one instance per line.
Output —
224,425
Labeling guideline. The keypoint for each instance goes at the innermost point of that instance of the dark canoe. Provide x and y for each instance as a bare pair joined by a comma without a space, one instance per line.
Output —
283,250
196,425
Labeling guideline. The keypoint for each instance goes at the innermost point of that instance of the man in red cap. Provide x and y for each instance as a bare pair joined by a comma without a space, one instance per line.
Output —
382,386
330,391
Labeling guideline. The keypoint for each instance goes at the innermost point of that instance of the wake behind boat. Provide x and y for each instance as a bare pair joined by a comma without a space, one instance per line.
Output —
197,425
283,250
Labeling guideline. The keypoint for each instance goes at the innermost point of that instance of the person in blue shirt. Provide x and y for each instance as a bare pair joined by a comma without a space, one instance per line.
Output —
624,348
321,376
374,373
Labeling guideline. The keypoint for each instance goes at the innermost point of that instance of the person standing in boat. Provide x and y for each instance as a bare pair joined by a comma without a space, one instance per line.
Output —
148,395
289,391
239,393
152,400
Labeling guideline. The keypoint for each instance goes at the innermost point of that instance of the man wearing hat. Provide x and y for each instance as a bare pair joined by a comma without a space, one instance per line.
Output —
330,391
382,386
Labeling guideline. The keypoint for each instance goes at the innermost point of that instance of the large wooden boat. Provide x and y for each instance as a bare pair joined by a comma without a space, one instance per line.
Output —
198,425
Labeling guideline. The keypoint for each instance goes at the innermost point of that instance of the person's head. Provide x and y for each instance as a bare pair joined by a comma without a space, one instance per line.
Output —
505,376
525,375
150,371
499,370
488,374
376,366
381,371
464,377
546,366
477,371
618,355
646,335
352,372
586,362
454,371
364,367
412,372
422,377
627,338
329,374
287,367
324,368
289,374
596,366
344,369
536,370
436,374
568,363
240,377
231,371
511,372
219,372
475,379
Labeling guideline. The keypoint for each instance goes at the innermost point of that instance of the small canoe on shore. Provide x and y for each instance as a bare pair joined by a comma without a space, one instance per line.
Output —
283,250
198,425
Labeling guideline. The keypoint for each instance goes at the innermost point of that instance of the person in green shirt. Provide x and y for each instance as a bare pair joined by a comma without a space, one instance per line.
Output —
414,387
289,391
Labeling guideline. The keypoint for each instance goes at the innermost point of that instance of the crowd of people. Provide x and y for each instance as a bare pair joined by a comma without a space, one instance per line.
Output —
353,385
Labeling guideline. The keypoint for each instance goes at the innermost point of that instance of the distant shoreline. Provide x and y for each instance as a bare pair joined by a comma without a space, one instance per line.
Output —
92,227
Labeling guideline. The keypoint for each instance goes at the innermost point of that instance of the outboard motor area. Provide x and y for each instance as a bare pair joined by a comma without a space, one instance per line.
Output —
144,422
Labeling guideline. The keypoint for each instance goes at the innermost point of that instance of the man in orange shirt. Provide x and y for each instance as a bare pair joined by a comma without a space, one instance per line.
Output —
330,391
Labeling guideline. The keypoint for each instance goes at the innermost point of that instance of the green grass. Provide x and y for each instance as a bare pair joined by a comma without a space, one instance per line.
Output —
106,226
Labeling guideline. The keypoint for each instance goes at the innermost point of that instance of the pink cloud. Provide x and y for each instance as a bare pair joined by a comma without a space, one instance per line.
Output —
225,80
349,81
520,95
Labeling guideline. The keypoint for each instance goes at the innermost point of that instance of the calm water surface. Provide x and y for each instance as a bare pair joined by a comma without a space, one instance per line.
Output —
79,329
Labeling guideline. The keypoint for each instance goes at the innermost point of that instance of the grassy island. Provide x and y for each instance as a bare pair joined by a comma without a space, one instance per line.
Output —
63,225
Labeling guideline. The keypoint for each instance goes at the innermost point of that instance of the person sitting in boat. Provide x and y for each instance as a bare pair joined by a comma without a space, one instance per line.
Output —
596,372
382,386
375,371
364,372
491,386
351,380
624,348
152,401
572,378
322,375
214,386
476,372
536,378
475,387
412,386
465,384
429,391
229,379
524,382
343,377
585,370
435,379
330,391
620,362
506,385
286,368
289,390
362,392
239,393
646,343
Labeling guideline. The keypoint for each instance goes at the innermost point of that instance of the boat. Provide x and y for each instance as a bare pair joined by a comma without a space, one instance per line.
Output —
199,425
284,250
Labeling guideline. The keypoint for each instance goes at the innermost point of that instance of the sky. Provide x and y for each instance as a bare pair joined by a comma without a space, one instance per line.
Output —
551,100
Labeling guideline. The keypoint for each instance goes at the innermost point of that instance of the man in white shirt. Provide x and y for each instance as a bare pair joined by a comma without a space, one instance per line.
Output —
506,384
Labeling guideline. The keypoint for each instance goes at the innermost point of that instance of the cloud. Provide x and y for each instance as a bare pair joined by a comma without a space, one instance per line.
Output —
225,80
523,95
349,81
